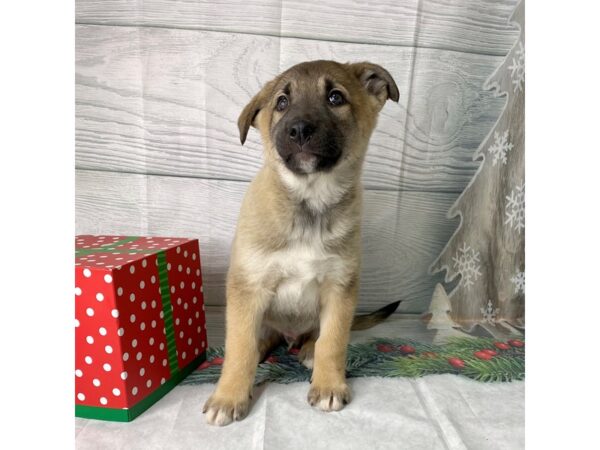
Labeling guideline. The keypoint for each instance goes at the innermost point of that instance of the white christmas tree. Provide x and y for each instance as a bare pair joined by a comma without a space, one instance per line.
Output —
438,316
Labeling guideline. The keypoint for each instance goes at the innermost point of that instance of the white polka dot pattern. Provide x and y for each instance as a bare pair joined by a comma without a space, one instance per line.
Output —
121,351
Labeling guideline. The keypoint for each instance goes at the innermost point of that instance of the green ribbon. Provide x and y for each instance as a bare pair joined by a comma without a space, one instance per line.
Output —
165,292
165,295
112,247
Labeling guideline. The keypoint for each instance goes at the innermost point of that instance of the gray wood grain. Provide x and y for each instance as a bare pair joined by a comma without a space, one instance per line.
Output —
477,26
402,231
166,102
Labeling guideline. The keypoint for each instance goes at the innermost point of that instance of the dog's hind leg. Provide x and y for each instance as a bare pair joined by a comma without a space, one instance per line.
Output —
270,339
307,351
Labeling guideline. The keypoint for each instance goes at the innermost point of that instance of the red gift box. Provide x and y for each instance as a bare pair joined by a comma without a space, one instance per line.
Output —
139,318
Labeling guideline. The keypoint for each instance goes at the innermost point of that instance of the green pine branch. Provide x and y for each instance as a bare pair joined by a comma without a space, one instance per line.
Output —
387,358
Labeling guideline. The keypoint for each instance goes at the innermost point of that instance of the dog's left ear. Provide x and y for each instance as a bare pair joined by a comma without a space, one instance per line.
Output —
377,81
251,110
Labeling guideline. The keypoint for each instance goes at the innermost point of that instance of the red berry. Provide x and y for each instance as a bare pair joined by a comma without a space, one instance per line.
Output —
482,355
406,349
489,352
216,361
204,365
294,351
385,348
501,345
516,343
456,362
271,359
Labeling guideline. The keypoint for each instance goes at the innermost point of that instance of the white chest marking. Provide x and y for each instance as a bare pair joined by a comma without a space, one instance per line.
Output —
318,190
301,269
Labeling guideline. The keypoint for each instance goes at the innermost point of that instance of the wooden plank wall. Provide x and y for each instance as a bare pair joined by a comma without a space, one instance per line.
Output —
160,84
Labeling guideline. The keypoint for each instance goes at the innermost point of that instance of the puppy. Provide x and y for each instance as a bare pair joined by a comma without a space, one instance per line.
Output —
295,260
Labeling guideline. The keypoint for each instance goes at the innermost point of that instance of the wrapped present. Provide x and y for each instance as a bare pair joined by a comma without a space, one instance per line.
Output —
139,318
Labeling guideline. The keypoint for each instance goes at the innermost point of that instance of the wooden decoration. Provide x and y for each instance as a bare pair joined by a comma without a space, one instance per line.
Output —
487,250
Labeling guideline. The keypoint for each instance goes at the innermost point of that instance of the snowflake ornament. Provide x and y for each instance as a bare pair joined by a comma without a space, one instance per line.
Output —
500,147
519,282
517,68
515,209
490,314
466,262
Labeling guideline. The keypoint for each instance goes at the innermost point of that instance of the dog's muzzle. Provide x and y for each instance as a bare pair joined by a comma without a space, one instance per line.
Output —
305,147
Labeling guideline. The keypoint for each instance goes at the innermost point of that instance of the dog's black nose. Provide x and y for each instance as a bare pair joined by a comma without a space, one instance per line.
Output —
301,131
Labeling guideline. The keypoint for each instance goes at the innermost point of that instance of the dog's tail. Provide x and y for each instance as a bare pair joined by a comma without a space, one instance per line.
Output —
366,321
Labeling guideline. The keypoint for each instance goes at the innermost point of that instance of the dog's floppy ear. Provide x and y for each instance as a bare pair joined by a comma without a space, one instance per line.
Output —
252,109
377,81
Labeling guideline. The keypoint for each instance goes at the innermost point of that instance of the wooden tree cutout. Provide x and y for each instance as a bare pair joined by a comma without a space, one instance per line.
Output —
487,250
438,316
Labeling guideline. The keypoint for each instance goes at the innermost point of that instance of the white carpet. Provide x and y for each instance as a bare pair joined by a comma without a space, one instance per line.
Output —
433,412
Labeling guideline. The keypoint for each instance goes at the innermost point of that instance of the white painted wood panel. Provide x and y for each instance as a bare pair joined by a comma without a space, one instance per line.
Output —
161,101
477,26
402,231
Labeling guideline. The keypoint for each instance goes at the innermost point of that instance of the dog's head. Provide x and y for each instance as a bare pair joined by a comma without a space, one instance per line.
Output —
319,113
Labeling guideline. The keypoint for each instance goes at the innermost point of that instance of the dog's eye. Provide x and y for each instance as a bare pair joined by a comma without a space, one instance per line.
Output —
336,98
282,103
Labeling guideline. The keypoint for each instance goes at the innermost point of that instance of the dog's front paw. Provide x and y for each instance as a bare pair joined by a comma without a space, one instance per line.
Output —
329,398
222,409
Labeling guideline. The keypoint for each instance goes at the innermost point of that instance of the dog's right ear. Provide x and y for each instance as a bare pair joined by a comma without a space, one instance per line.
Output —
251,110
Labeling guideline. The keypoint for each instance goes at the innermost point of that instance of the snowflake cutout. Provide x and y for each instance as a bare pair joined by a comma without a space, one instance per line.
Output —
466,263
519,282
515,210
517,68
500,147
490,314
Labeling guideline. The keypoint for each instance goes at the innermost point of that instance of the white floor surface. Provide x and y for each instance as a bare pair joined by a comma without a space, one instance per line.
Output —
433,412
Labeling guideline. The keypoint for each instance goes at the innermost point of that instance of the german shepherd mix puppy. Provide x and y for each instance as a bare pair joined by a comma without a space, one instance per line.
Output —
295,260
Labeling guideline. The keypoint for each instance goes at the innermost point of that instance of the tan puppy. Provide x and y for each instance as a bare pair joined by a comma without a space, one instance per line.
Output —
295,259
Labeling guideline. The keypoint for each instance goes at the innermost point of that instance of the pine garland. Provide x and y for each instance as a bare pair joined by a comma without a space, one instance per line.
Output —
482,359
